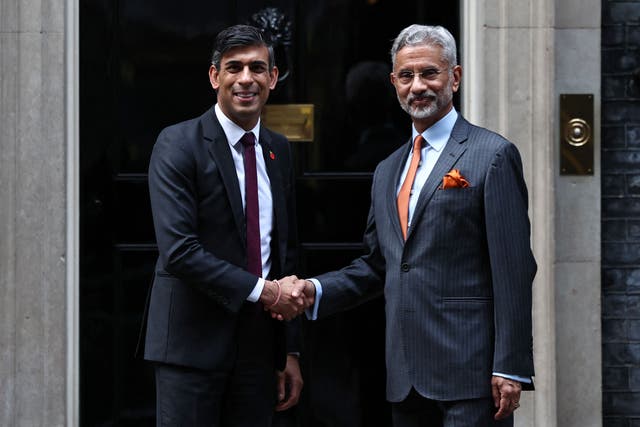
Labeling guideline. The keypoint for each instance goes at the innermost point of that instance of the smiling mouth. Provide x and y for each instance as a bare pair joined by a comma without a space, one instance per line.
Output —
422,100
246,96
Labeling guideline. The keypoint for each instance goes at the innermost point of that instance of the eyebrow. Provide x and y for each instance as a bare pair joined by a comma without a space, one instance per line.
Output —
427,68
236,62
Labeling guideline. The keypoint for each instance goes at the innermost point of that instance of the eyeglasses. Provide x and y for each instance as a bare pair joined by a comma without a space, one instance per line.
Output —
405,76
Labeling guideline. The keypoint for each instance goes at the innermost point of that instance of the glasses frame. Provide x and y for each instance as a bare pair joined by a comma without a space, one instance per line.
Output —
429,74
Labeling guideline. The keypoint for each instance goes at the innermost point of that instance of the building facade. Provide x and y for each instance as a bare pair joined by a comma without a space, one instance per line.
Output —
519,57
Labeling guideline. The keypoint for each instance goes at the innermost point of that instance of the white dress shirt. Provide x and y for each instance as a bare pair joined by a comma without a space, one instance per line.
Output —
233,132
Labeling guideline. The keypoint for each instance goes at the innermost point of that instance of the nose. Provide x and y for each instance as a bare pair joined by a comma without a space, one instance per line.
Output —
418,85
245,76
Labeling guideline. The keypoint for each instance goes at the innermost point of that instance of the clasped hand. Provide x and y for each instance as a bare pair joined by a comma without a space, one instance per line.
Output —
288,297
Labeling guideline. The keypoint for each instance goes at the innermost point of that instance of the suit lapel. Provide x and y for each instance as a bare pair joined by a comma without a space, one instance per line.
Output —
395,169
277,195
452,151
221,153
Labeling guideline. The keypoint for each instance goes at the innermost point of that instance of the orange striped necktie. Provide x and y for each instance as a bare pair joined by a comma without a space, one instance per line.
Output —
405,190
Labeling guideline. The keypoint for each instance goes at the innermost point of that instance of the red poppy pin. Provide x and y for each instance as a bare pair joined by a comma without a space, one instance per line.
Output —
273,156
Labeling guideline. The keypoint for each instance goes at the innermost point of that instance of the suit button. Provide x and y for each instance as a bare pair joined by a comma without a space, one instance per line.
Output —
404,267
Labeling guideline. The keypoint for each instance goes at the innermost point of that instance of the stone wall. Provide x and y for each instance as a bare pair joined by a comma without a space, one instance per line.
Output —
621,212
33,338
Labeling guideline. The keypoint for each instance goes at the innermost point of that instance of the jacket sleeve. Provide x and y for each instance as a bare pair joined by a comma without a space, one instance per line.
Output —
174,203
512,264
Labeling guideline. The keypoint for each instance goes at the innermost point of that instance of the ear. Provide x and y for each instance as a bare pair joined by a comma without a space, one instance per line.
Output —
457,76
274,77
214,76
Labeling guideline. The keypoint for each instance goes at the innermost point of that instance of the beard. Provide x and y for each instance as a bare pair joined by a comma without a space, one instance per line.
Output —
436,104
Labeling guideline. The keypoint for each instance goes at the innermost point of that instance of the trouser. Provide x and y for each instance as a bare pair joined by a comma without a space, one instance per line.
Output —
418,411
241,396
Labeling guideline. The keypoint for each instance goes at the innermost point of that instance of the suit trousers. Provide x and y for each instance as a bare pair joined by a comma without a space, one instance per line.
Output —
418,411
242,396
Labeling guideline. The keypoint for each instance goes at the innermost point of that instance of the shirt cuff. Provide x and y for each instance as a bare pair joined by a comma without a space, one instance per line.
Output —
313,314
513,377
257,291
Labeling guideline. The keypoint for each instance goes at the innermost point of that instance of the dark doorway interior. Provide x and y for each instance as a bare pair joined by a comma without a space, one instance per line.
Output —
143,67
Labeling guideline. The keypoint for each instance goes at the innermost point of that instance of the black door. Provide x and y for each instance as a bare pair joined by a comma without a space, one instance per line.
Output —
144,66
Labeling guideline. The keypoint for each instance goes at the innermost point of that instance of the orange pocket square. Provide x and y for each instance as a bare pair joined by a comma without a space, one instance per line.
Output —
454,179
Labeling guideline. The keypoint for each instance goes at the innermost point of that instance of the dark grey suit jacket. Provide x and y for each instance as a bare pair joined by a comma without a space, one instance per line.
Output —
458,291
201,281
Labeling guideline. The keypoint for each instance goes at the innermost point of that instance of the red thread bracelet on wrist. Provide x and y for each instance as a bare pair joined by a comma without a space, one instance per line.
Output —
279,293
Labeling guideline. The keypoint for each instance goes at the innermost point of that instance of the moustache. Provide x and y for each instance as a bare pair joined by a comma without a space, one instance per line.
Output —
426,96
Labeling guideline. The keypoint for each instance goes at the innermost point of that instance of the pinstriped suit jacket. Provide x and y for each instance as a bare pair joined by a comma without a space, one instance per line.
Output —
458,291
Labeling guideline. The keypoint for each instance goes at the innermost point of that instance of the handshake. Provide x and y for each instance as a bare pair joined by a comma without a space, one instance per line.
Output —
288,297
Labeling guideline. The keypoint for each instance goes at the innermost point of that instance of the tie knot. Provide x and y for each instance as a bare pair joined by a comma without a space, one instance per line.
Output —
417,143
248,139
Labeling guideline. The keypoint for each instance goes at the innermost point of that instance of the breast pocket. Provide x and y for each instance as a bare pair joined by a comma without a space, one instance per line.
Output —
456,207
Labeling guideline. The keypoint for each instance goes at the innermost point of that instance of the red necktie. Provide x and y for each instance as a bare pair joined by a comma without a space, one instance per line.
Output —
405,190
252,212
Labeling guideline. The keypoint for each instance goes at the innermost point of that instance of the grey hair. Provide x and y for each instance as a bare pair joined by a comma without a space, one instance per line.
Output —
415,35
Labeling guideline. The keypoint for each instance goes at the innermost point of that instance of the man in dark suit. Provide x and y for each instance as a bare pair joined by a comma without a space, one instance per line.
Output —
222,197
448,242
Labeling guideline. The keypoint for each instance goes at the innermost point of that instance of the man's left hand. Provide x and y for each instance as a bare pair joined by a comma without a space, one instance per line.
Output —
289,384
506,396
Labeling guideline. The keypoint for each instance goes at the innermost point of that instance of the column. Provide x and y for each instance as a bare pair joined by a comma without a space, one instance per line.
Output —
518,56
34,259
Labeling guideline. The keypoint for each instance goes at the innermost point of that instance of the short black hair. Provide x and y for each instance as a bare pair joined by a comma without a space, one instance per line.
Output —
237,36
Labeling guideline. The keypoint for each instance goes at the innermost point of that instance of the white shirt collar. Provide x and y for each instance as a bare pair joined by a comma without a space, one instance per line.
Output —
438,134
232,131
